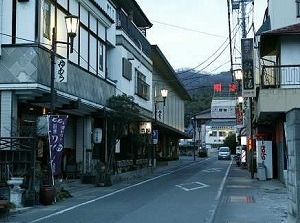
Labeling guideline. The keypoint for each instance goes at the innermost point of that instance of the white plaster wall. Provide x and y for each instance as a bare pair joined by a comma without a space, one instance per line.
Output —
290,50
281,18
6,21
124,85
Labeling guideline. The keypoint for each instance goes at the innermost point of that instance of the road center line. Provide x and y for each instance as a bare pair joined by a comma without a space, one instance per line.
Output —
219,193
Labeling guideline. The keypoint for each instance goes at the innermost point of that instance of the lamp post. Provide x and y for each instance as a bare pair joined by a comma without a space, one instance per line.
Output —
71,25
238,76
164,95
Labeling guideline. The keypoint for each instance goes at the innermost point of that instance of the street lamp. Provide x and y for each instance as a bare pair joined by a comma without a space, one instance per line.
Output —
164,95
238,76
71,25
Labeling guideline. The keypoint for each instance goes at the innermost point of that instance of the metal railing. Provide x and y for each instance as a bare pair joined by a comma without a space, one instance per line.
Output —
125,23
17,155
284,76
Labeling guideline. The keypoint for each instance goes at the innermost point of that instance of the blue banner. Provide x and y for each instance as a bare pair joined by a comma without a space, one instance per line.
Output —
56,128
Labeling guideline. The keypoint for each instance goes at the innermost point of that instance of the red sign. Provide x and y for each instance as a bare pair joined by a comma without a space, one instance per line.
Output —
217,87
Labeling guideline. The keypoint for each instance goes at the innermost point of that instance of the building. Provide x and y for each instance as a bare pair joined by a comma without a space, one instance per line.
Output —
169,112
109,55
215,124
277,102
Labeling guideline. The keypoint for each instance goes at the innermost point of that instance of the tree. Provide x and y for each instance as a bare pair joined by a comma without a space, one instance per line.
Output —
230,141
122,110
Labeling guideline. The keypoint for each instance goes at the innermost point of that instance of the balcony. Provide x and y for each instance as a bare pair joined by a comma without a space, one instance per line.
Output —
280,89
135,34
285,76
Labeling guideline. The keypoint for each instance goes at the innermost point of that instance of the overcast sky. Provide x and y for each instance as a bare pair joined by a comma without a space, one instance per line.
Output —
189,32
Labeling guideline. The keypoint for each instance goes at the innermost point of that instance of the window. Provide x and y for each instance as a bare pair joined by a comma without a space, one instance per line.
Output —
213,133
298,8
47,19
100,56
142,88
222,134
126,69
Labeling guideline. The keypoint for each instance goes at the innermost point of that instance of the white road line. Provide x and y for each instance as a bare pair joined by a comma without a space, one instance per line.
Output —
115,192
219,193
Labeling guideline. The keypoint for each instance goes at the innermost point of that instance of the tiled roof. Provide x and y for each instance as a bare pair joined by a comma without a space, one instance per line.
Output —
292,29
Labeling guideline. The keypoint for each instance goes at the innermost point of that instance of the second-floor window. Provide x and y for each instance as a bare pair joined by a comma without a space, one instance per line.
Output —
142,88
100,57
126,69
298,8
46,19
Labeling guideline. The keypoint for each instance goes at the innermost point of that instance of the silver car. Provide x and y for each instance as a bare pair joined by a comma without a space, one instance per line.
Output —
224,153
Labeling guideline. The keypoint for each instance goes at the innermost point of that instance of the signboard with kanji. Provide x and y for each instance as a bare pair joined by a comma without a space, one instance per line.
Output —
248,68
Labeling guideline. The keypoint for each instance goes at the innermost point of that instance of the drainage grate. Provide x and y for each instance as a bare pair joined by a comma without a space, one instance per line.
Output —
238,199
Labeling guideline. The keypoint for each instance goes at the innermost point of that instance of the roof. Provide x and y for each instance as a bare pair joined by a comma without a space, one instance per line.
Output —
139,17
266,26
170,131
269,39
203,115
163,67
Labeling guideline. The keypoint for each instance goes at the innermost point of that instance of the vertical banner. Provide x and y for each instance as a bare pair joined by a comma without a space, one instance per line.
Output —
248,67
56,129
61,70
264,155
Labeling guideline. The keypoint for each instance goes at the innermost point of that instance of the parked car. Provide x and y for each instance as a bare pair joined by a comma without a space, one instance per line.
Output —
224,153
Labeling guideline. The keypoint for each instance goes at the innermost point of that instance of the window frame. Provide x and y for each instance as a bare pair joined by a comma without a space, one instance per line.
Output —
298,8
142,88
47,19
126,69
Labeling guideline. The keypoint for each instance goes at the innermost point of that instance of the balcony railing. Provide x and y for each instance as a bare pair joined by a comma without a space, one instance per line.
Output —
125,23
284,76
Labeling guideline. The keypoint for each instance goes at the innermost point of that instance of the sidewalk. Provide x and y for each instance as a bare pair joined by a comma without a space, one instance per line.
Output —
249,200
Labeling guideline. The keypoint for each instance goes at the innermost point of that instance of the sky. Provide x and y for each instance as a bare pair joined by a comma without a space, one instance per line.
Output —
193,33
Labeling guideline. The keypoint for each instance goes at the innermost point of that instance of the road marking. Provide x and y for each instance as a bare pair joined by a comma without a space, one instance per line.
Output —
115,192
218,196
211,170
191,186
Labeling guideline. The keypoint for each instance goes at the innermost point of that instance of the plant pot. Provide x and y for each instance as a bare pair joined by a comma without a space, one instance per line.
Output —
47,194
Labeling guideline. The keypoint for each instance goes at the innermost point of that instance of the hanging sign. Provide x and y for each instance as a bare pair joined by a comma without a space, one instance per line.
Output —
248,67
61,70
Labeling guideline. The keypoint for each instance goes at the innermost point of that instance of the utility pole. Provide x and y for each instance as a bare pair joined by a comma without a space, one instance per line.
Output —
241,4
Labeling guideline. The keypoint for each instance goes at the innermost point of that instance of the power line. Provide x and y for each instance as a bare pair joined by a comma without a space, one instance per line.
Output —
191,69
188,29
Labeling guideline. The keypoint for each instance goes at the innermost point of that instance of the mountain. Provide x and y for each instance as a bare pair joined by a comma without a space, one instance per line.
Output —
194,80
201,88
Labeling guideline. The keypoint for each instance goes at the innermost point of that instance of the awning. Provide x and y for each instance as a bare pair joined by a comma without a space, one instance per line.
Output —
269,40
170,131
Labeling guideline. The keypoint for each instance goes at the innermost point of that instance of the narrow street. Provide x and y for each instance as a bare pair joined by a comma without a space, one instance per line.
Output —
205,190
186,193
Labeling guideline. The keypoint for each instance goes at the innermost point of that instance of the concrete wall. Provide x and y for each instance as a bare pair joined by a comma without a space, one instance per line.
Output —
293,168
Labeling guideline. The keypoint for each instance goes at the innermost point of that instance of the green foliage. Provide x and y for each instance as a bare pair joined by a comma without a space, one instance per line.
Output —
201,100
122,111
230,141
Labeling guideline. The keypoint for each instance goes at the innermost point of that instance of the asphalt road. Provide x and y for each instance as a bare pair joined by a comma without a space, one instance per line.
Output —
189,194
